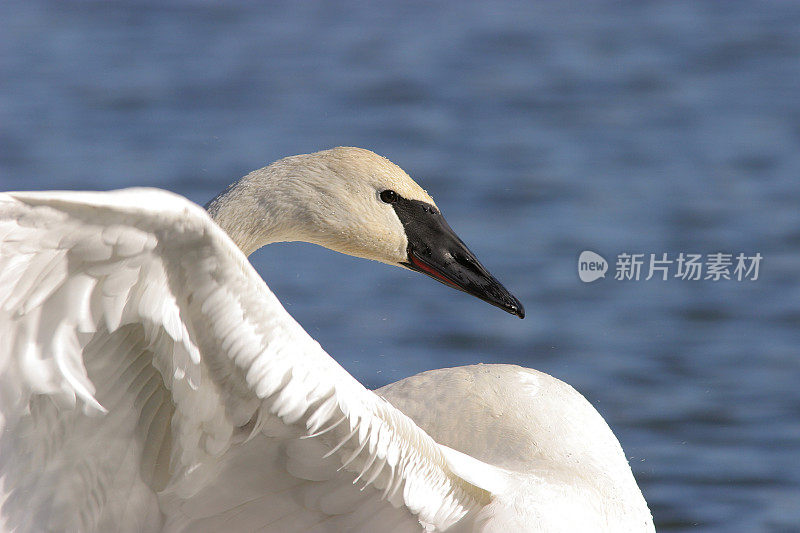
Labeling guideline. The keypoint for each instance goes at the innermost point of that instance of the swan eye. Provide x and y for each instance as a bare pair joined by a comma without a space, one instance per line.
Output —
389,196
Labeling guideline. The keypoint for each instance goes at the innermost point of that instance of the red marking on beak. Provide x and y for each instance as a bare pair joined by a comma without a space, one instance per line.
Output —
430,270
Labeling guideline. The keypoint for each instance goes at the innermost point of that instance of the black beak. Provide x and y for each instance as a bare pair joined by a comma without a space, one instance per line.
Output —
434,249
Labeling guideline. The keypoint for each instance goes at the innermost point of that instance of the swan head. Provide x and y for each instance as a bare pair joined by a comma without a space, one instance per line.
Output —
359,203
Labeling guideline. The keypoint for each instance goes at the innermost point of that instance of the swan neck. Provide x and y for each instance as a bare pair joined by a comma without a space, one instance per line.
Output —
245,213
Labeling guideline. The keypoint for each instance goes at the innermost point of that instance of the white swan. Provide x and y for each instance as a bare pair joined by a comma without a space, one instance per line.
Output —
150,381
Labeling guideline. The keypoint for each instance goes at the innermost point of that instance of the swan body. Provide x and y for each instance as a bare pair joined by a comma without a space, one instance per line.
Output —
150,381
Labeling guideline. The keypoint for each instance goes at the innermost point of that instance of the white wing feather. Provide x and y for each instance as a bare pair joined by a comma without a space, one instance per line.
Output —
150,380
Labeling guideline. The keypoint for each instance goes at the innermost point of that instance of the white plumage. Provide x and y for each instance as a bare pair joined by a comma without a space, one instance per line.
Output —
150,381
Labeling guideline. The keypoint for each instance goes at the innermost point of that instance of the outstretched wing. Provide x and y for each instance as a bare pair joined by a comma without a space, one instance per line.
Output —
150,380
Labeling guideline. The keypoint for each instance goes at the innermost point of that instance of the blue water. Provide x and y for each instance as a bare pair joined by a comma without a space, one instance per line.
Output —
542,129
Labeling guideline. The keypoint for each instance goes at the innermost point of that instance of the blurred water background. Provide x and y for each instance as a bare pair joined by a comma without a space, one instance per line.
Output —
542,129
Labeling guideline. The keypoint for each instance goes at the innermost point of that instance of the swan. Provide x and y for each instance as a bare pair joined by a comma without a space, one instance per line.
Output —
150,381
